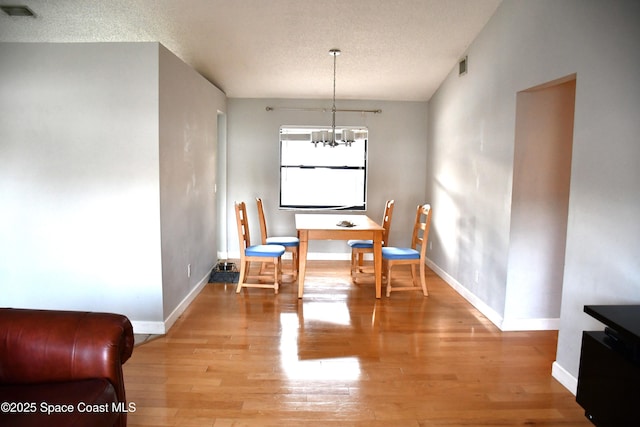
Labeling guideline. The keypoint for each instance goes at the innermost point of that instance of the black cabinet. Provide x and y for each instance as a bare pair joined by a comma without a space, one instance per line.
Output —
609,376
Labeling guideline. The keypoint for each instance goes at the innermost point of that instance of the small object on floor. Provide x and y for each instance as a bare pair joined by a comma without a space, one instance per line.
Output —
225,266
224,272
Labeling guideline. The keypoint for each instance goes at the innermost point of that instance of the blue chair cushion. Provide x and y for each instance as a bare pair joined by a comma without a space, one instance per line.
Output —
399,253
283,241
265,250
361,244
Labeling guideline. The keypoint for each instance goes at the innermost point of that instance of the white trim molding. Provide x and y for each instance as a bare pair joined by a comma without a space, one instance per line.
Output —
235,256
487,311
530,324
160,328
147,328
564,377
497,319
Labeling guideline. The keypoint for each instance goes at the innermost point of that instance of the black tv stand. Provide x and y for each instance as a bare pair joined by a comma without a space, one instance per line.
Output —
609,376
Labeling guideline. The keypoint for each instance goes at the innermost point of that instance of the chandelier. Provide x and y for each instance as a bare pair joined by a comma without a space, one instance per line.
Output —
325,137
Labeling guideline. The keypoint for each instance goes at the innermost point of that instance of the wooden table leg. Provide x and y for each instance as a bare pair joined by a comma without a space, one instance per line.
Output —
303,235
377,261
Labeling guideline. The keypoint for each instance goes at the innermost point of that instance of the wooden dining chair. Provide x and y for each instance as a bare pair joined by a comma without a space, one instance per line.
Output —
290,243
361,247
414,255
271,254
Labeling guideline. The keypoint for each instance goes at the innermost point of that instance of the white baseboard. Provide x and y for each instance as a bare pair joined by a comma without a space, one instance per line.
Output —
495,318
236,255
564,377
177,312
312,256
487,311
324,256
159,328
530,325
148,328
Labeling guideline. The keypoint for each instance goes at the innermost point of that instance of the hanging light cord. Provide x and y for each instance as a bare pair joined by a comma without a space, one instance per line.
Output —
335,53
348,136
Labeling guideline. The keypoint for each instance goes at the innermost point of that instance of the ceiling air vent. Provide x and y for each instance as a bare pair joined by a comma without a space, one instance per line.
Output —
17,11
462,66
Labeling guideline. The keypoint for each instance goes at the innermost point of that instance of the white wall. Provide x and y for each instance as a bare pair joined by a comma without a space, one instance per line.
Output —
80,178
471,148
396,153
189,107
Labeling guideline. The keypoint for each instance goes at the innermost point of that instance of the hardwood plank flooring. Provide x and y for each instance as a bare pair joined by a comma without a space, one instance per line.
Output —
338,357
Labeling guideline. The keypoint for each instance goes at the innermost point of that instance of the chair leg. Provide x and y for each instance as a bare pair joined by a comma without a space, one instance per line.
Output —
414,278
357,263
353,264
244,267
277,269
294,263
389,281
294,255
263,266
423,281
360,261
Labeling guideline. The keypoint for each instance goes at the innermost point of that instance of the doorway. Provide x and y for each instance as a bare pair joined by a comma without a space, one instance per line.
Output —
539,205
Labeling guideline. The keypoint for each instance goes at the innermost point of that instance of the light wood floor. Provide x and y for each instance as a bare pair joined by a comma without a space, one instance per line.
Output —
338,357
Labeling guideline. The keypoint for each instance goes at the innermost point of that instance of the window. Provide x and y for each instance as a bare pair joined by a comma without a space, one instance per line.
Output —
313,176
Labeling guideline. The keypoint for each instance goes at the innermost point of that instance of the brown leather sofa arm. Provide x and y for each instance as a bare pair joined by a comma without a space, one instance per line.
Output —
39,346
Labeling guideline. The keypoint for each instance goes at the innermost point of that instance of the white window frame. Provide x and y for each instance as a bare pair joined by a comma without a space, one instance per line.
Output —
321,177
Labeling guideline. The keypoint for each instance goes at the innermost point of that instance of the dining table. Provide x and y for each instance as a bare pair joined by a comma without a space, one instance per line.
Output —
338,227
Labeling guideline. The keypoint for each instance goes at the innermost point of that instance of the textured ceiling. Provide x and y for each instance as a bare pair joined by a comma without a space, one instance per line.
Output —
391,49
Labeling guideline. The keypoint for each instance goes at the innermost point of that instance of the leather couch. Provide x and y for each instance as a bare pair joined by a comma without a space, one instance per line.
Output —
63,368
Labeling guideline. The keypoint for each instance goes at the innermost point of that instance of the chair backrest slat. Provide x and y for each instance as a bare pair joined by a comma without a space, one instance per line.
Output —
263,222
243,226
421,229
386,221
